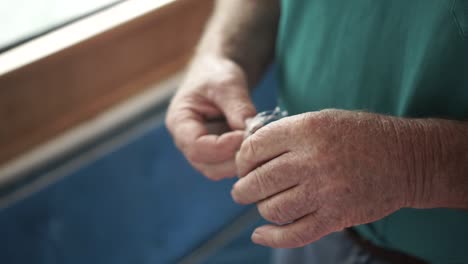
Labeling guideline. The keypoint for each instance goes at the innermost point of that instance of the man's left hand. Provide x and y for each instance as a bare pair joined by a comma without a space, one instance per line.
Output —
316,173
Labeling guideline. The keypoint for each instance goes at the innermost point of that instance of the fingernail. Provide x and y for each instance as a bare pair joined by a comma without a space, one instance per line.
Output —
257,237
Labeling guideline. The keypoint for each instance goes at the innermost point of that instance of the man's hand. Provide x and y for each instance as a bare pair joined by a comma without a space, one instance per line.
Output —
320,172
207,115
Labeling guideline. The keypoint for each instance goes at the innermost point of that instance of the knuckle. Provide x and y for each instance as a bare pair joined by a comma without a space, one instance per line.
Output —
243,108
273,212
329,111
316,119
297,238
326,116
180,146
210,174
214,176
318,226
232,75
260,181
251,147
191,154
238,159
335,220
226,83
246,155
310,121
169,122
199,167
221,88
216,91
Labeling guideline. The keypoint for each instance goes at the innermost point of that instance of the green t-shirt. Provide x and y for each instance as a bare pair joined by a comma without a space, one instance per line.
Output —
396,57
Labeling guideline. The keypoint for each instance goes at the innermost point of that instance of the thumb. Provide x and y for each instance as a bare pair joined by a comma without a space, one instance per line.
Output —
236,104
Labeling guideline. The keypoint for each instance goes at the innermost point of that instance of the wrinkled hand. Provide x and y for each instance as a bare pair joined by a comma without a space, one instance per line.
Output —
320,172
207,115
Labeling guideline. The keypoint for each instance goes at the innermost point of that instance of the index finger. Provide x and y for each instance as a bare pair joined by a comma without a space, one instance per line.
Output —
264,145
266,180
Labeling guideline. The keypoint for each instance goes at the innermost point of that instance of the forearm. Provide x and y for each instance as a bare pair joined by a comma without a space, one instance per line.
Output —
438,150
244,31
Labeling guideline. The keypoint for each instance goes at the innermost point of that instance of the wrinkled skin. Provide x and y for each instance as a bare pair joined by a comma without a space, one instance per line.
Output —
320,172
207,115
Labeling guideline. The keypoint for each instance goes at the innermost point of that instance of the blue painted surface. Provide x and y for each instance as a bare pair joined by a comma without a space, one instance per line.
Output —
142,203
242,250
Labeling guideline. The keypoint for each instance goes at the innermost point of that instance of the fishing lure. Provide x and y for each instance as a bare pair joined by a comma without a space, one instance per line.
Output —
263,119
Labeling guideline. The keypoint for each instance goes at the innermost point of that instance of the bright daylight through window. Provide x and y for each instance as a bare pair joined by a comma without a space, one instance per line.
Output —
21,20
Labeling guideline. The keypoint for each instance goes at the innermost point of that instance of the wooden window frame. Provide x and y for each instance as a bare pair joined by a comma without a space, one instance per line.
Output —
71,76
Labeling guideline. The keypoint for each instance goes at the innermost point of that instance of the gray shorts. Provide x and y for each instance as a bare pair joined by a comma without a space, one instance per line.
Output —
336,248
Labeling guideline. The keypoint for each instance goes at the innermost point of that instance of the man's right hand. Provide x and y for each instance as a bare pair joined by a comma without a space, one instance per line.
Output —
207,115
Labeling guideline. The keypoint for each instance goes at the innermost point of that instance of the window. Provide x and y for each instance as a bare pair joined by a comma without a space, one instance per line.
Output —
21,20
89,66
